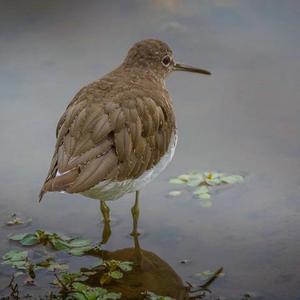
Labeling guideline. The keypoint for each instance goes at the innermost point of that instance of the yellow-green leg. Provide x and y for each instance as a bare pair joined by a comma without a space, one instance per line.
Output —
135,211
138,251
106,232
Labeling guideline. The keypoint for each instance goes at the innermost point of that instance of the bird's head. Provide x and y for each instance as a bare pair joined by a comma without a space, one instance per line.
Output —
156,56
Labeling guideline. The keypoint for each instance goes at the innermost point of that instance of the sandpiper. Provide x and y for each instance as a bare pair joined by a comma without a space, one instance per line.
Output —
119,132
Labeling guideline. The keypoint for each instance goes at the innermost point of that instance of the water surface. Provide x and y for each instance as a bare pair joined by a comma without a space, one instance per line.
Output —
244,118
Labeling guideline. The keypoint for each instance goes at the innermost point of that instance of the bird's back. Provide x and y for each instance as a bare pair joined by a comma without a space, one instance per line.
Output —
115,129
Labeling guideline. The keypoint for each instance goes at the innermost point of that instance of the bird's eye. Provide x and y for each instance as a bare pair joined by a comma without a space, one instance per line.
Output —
166,60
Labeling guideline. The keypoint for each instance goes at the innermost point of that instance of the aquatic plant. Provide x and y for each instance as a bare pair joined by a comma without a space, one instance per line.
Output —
202,184
73,246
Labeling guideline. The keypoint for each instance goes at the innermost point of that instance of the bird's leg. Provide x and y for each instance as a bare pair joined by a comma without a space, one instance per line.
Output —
135,211
135,234
138,251
106,232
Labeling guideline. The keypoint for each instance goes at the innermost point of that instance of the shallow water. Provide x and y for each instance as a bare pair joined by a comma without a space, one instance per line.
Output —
244,118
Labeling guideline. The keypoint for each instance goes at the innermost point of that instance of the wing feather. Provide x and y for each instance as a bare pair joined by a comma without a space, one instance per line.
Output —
90,174
104,137
123,144
135,129
101,129
92,153
117,119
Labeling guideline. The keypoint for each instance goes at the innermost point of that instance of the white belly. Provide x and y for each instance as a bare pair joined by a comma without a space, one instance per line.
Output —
111,190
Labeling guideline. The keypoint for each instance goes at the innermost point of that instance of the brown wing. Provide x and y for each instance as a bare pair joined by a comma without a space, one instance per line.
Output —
108,139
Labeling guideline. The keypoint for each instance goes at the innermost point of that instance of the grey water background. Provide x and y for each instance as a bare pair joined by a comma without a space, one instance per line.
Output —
244,118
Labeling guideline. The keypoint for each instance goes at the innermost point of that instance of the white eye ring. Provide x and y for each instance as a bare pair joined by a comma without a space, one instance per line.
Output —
166,60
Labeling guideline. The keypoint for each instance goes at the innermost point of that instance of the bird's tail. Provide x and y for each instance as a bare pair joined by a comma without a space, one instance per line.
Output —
41,195
58,183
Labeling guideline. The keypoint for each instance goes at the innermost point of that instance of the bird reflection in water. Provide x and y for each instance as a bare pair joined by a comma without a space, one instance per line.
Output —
149,273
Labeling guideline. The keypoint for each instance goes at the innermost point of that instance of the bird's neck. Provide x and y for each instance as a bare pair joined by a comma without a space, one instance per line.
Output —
146,76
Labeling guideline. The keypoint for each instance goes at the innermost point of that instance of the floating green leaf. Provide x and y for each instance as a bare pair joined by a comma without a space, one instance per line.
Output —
51,265
201,190
195,180
17,237
15,221
68,278
74,246
79,251
17,259
79,243
203,183
204,196
232,179
176,181
115,274
212,178
58,267
84,292
29,239
15,255
59,244
81,291
175,193
114,270
125,266
184,177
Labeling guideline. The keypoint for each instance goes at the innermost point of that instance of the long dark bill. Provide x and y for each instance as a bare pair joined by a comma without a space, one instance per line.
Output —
182,67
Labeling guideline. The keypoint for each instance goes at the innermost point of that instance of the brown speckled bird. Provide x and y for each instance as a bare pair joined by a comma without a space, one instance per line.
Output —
119,132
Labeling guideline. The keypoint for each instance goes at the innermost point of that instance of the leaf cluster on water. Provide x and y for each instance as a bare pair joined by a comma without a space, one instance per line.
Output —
202,183
73,283
19,260
17,221
73,288
114,269
84,292
73,246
